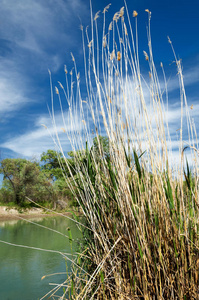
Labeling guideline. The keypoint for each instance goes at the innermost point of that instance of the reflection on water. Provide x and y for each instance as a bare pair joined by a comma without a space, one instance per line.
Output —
21,269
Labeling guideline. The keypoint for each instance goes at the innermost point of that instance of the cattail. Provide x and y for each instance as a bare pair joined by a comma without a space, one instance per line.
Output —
135,14
118,56
146,55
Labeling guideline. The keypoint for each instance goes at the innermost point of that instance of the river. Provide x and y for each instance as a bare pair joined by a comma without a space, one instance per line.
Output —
21,269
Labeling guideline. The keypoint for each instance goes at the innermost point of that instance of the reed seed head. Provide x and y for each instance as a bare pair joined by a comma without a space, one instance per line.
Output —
135,14
61,86
146,55
169,39
106,8
73,59
110,26
89,44
97,15
112,55
44,126
104,42
125,29
116,16
121,12
56,91
118,55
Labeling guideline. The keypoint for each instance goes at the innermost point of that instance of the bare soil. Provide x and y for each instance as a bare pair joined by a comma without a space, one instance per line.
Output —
10,213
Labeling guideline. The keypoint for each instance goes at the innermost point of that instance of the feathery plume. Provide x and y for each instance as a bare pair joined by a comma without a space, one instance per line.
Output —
116,16
97,15
106,8
121,12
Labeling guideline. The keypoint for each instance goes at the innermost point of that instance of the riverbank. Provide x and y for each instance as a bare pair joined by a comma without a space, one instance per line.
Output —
12,213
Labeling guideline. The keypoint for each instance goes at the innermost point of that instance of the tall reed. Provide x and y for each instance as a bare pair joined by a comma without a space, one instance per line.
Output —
142,210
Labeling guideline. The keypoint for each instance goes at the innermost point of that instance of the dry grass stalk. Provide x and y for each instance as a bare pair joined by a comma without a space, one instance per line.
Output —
144,236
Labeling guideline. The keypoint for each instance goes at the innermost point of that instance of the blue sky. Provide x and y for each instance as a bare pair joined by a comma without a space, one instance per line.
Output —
39,35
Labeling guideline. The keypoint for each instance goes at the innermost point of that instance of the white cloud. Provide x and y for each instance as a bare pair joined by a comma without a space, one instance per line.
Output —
43,136
34,36
13,88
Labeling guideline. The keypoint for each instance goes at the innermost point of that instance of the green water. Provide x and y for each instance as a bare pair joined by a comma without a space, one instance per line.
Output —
21,269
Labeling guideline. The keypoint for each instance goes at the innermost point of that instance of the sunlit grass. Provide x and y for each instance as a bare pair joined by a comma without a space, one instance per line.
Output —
141,209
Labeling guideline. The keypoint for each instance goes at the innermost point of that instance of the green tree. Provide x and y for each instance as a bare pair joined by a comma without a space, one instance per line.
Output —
52,164
101,146
24,178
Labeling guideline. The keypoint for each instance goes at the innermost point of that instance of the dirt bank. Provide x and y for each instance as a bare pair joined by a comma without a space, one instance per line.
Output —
7,213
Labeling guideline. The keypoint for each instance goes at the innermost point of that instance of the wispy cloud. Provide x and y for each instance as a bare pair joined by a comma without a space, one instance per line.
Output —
44,135
34,37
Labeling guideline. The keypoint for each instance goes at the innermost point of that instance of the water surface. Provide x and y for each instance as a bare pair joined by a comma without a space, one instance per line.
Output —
21,269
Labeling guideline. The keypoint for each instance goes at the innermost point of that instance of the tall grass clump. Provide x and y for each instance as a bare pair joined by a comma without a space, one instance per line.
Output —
141,209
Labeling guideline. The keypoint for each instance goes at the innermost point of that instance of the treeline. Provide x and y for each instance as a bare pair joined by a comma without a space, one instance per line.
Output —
44,180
